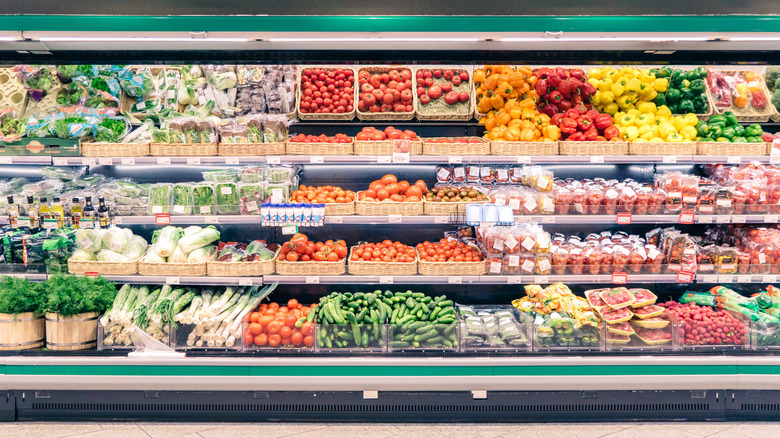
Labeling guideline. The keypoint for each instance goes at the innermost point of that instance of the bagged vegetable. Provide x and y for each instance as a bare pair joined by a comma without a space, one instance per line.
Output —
136,248
199,239
80,255
166,240
203,199
159,198
106,255
116,239
112,130
88,240
181,199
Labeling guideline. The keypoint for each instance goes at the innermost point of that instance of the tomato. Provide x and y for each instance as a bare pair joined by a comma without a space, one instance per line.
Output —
414,191
425,99
265,320
389,179
285,332
293,304
396,197
308,341
456,80
290,320
451,98
393,188
307,328
255,328
274,340
382,194
333,257
421,185
437,73
260,339
341,251
464,76
274,327
448,74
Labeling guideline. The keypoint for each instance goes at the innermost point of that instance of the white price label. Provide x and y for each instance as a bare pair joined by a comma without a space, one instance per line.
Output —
384,159
245,282
394,219
335,219
312,280
231,160
128,161
723,219
619,278
624,218
771,218
273,159
163,160
704,219
743,279
6,160
670,159
385,280
523,159
707,278
541,279
211,219
118,221
514,279
455,280
769,279
456,160
725,279
401,157
89,161
172,280
316,159
289,229
106,161
60,161
193,161
440,219
546,219
733,160
597,159
740,219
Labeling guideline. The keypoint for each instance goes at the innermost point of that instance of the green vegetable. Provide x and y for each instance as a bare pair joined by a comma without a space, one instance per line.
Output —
19,295
227,198
754,131
71,127
159,198
182,199
203,199
730,118
111,130
66,72
40,80
71,295
69,95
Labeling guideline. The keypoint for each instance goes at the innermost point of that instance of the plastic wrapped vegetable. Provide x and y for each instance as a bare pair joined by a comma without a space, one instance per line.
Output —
81,255
181,199
250,197
198,239
227,198
36,80
107,255
88,240
166,240
71,127
111,130
136,248
116,239
203,199
159,198
200,255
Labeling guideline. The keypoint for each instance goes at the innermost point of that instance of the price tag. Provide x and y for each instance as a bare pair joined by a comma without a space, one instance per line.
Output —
705,219
769,279
289,229
6,160
456,160
163,160
725,279
336,219
394,219
514,279
273,159
385,280
118,221
624,218
771,218
774,154
685,277
23,222
743,279
312,280
245,282
523,159
211,219
231,160
316,159
50,224
740,219
546,219
440,219
619,278
686,218
172,280
128,161
455,280
109,161
87,223
597,159
161,219
670,159
384,159
91,274
723,219
60,161
89,161
193,161
733,160
541,279
401,157
707,278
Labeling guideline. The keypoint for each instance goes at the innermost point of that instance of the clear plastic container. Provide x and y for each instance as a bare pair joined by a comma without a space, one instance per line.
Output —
494,328
336,337
159,199
252,174
220,175
279,174
181,199
203,199
424,335
227,199
277,192
250,196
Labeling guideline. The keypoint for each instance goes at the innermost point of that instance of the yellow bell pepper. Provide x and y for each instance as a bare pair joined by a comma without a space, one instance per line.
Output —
496,101
618,88
628,120
661,85
691,119
664,110
594,73
666,129
609,72
552,132
648,94
674,137
611,108
631,133
616,117
645,76
639,140
688,132
632,86
645,130
607,97
646,107
624,101
605,84
656,140
645,119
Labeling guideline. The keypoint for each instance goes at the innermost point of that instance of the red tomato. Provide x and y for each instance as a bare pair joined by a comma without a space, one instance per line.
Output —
434,92
274,340
260,339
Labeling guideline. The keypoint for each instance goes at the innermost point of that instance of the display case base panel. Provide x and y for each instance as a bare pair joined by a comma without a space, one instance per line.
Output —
337,406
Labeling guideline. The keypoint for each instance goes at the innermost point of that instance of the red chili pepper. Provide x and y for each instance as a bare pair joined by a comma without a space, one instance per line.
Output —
602,121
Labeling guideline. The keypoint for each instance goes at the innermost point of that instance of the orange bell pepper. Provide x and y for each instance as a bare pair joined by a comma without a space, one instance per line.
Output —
502,118
526,70
529,113
516,79
484,105
491,82
479,76
504,89
514,123
527,135
552,132
527,124
489,69
513,134
527,103
496,101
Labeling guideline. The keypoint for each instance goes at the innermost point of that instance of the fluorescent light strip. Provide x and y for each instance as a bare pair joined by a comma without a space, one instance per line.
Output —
141,39
370,40
602,39
7,38
754,38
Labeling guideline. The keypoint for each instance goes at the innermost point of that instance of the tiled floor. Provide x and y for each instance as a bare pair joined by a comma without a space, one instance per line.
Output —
349,430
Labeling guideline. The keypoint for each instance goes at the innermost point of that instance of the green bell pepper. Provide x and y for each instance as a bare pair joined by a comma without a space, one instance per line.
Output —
691,75
698,86
716,130
701,105
703,130
717,119
673,107
710,139
673,96
728,132
739,131
687,94
660,99
755,139
663,72
731,118
739,139
754,131
676,78
701,73
686,106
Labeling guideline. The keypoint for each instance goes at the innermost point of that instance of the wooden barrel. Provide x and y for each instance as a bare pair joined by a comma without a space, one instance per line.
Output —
77,332
21,331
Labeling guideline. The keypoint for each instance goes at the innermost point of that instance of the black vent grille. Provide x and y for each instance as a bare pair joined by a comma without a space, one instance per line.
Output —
761,406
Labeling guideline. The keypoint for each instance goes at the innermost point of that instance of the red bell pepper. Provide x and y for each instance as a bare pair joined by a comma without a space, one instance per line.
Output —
577,73
592,114
601,138
550,109
568,125
581,108
587,90
591,134
561,72
566,87
611,132
577,136
584,123
554,97
541,87
572,113
543,72
564,105
556,119
603,121
553,80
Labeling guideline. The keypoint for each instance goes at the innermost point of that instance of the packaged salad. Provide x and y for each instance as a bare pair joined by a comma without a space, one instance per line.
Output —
250,197
181,199
203,200
227,198
159,198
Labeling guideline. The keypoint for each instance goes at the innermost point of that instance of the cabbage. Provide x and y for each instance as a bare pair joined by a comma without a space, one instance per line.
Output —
200,255
116,239
178,256
166,239
223,81
136,248
152,257
192,229
80,255
88,240
106,255
198,239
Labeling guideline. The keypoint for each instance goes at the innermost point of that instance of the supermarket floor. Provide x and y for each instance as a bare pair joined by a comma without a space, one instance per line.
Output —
363,430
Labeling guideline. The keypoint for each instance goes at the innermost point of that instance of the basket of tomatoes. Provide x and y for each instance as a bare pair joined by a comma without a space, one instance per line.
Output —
339,144
449,257
326,93
372,141
456,146
338,202
385,93
387,196
444,93
383,258
301,256
273,326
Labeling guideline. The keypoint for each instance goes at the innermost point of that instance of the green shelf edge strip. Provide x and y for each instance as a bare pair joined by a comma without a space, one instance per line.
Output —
386,371
417,24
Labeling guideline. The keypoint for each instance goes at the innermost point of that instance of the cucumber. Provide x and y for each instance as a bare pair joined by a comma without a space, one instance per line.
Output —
445,303
399,344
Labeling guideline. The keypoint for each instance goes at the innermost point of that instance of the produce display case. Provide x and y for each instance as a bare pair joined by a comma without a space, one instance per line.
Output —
344,338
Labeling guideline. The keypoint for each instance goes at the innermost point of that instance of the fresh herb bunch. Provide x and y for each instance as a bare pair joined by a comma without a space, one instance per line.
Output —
110,130
62,126
11,127
19,295
68,295
41,80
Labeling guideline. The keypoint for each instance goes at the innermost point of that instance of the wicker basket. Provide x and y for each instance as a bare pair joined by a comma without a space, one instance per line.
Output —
593,148
183,149
283,267
104,268
513,148
95,149
381,268
250,149
468,88
384,147
447,269
340,209
733,149
300,148
445,208
174,269
326,116
242,269
749,113
449,149
668,148
387,208
386,115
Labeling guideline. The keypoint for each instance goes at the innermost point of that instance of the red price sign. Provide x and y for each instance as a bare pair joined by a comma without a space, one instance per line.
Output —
624,218
685,277
91,274
619,278
162,219
686,218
